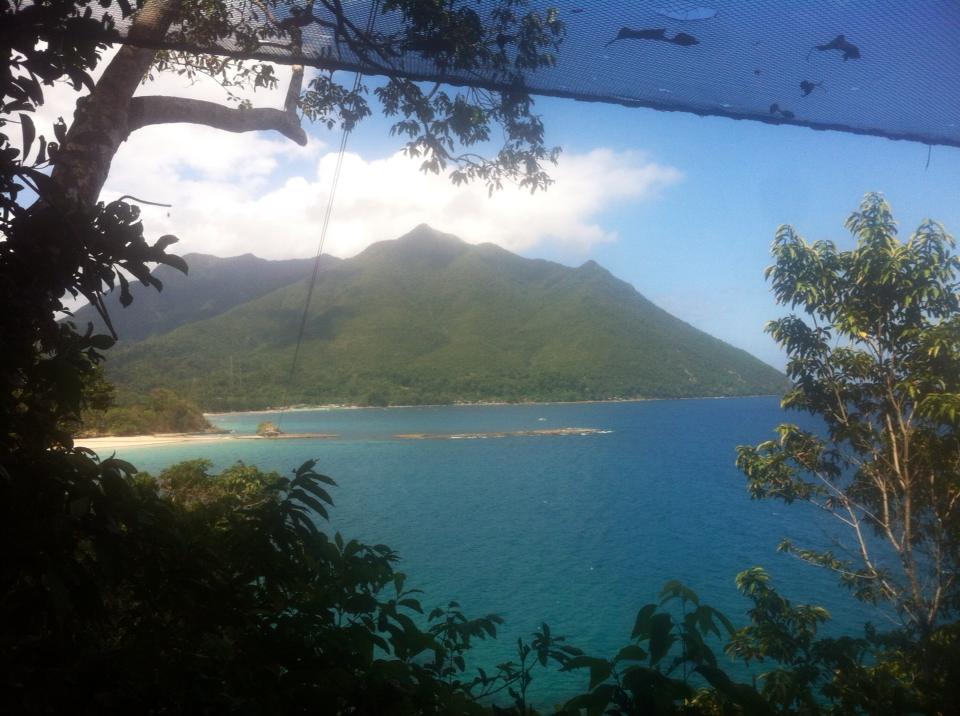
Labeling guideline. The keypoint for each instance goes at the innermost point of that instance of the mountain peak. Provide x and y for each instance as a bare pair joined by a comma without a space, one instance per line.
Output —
422,243
424,233
593,269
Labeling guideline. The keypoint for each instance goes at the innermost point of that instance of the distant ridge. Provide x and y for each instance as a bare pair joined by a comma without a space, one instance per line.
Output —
425,318
214,285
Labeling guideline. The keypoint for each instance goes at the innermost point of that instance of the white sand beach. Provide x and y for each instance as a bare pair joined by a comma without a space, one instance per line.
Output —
136,441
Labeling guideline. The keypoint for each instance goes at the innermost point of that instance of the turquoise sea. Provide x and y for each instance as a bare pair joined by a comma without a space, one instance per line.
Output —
578,531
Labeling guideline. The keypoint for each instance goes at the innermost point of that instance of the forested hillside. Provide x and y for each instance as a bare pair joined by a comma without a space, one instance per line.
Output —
428,318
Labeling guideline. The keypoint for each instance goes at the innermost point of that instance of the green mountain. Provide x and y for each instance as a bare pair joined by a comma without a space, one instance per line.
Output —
428,318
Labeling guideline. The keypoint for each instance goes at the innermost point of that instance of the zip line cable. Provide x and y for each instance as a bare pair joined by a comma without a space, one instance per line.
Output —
316,271
335,180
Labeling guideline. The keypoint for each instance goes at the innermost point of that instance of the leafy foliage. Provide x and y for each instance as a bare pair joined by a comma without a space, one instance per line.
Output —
670,666
161,411
499,41
83,251
217,590
876,355
654,672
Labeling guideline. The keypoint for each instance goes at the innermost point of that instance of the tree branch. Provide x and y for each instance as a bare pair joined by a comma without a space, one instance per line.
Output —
293,90
156,109
296,77
99,127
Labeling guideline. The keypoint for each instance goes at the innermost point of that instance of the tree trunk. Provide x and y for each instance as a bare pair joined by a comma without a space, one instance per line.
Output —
104,120
100,121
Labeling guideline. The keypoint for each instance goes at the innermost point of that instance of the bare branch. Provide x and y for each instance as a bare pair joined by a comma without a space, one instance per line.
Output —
293,89
155,109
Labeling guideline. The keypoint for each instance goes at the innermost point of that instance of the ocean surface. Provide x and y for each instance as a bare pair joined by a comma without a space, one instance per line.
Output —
577,531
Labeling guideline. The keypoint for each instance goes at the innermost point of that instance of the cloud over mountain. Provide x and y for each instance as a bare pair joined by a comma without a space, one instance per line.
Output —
234,194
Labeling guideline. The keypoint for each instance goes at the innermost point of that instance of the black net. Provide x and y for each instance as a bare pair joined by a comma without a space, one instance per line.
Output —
890,69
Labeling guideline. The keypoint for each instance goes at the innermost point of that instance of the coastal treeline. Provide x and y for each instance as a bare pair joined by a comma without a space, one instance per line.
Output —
160,411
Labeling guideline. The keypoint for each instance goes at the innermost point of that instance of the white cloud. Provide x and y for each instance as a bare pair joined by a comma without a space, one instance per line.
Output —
260,193
246,200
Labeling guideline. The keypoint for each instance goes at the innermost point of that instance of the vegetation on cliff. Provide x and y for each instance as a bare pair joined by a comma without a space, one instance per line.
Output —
429,318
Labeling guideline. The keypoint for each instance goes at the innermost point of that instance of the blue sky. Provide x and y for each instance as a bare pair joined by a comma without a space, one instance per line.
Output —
700,250
700,247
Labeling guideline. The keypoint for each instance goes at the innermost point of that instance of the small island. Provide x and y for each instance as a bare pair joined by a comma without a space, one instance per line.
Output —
267,429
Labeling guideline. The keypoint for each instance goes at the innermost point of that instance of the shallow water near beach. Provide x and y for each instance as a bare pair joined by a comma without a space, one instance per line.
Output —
578,531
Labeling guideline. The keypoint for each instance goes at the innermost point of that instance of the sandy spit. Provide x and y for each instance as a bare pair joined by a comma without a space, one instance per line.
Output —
132,441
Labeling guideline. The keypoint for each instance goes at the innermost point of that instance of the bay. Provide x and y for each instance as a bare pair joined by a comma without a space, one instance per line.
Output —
578,531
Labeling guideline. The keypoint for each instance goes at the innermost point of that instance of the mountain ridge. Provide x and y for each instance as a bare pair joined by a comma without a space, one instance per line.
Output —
429,318
238,279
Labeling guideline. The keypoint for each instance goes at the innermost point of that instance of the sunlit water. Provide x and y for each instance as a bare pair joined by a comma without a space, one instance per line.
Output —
577,531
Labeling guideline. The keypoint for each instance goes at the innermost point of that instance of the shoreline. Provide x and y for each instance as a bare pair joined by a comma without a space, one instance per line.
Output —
474,404
107,443
140,441
116,442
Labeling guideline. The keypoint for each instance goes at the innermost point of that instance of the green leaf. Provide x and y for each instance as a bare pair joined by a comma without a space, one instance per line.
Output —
164,241
631,652
310,501
411,604
318,492
101,342
600,669
118,464
125,297
60,130
641,627
175,262
595,703
29,134
676,590
661,638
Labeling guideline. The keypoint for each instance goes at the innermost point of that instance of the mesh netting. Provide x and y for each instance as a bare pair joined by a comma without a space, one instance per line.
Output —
890,69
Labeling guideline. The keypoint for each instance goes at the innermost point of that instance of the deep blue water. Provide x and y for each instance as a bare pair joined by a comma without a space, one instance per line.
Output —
577,531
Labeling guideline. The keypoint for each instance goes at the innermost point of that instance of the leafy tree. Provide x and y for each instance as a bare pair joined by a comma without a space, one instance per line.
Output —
874,352
671,665
161,411
653,673
500,43
218,593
